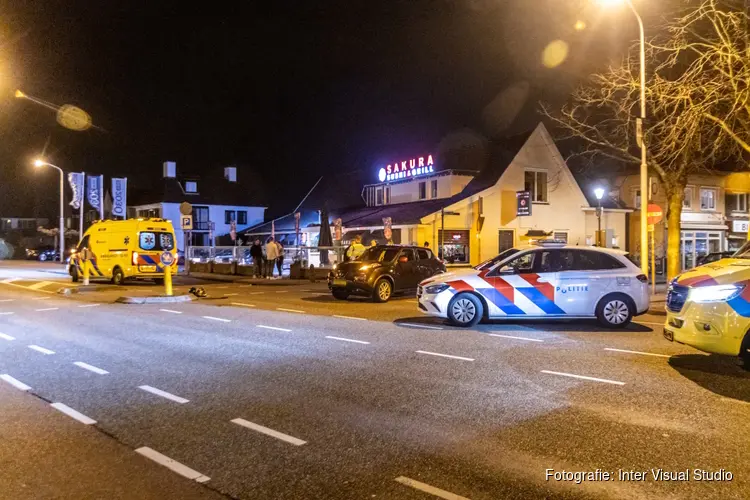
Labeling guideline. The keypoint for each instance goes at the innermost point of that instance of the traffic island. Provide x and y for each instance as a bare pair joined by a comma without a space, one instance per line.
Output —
81,289
154,299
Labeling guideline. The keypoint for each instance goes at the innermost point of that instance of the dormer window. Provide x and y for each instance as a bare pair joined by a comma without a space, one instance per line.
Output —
191,187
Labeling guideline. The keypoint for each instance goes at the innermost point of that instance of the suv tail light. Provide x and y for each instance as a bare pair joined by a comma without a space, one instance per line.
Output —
642,278
135,258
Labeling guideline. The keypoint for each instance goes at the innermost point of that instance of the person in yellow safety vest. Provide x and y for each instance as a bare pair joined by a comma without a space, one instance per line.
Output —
356,249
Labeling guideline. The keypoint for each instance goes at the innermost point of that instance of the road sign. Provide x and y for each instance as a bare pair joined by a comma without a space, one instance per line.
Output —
186,208
186,222
523,203
166,258
654,215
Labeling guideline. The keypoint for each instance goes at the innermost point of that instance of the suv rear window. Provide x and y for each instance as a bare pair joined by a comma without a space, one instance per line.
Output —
148,240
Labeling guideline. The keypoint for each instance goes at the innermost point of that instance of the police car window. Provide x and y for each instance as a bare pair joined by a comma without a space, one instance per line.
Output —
567,261
548,261
523,263
423,254
595,261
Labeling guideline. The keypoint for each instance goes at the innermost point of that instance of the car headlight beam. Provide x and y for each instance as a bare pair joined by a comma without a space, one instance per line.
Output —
715,293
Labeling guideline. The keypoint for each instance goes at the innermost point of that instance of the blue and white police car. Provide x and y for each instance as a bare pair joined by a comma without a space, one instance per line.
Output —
550,280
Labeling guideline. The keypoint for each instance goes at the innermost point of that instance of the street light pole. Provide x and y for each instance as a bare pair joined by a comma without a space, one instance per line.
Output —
61,236
599,193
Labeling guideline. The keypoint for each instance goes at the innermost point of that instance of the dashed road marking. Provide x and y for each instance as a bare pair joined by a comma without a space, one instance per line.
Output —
274,328
282,291
416,325
90,368
349,317
170,311
172,465
214,318
269,432
164,394
514,337
255,293
583,377
41,298
445,355
90,305
417,485
297,311
43,350
6,337
7,313
242,304
7,300
230,294
638,352
347,340
15,382
73,413
47,309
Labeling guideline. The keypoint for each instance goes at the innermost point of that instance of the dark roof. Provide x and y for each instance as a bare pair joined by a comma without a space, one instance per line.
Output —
286,223
502,152
211,191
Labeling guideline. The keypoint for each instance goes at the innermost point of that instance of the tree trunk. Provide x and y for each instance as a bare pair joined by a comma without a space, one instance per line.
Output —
675,194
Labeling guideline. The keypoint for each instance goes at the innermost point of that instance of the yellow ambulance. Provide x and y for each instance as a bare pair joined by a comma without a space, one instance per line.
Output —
125,249
709,307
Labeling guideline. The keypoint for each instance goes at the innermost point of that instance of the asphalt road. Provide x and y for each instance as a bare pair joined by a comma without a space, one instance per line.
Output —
283,392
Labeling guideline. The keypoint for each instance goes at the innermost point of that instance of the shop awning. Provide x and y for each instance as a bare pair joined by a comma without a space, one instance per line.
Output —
702,227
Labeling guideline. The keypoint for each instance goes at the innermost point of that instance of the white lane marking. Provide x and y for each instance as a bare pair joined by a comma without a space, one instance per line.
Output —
7,300
415,325
41,284
513,337
347,340
214,318
15,382
445,355
417,485
349,317
170,311
90,368
73,413
638,352
47,309
221,287
282,291
6,337
242,304
172,465
164,394
41,298
230,294
648,323
255,293
41,349
5,313
583,377
90,305
269,432
290,310
273,328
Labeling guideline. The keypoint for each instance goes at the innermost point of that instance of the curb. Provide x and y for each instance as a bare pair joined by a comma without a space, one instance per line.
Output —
158,299
78,289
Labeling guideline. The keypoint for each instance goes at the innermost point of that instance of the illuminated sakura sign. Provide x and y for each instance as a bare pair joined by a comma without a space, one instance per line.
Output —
407,168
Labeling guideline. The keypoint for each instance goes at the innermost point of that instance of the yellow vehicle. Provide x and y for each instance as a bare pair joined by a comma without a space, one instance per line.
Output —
709,307
125,249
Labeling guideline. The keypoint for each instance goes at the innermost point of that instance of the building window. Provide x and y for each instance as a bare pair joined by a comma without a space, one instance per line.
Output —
708,198
560,235
536,184
200,218
687,200
379,196
387,191
241,217
455,247
422,190
229,216
191,187
637,199
737,202
433,188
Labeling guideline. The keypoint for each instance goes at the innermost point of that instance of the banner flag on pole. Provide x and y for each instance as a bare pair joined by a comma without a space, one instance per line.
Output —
76,179
95,192
120,197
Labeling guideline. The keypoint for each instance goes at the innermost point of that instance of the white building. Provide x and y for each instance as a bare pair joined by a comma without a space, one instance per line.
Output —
216,204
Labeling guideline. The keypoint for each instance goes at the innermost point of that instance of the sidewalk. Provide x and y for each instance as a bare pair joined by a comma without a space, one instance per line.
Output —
46,454
229,278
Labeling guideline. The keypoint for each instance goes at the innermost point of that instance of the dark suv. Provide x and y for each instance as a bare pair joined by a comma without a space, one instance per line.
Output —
382,271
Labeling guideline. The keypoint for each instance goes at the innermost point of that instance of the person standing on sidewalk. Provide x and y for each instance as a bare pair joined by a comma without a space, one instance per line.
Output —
272,254
256,252
280,259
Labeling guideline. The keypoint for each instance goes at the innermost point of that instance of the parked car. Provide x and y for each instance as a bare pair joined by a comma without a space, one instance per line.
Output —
43,253
713,257
550,281
384,270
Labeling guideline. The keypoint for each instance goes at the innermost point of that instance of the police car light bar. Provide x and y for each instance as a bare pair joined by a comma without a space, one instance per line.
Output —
550,243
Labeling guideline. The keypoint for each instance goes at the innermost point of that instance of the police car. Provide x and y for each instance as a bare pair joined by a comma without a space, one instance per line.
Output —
548,280
709,307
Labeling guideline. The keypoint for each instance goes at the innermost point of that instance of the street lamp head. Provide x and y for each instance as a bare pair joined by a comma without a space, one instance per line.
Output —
599,193
39,163
610,3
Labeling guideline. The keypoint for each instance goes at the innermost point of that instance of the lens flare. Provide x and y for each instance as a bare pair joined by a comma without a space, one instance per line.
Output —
555,53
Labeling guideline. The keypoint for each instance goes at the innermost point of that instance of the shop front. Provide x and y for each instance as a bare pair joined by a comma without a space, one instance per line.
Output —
737,234
699,242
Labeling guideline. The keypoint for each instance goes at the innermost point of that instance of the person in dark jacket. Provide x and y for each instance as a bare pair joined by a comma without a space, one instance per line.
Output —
256,252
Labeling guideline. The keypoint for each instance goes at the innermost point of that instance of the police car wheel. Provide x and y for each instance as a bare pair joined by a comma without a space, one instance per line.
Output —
614,311
117,277
465,310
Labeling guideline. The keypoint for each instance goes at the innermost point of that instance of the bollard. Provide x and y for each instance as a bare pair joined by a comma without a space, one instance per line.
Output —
85,266
168,281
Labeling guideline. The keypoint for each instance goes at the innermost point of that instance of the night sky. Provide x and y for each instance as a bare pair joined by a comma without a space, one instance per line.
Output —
286,90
